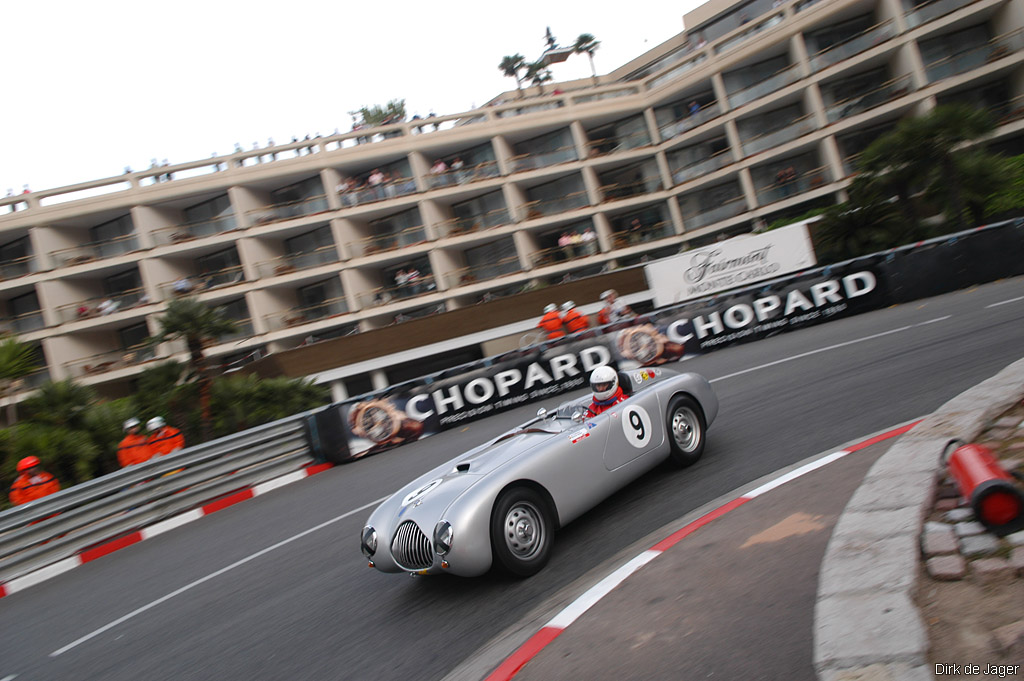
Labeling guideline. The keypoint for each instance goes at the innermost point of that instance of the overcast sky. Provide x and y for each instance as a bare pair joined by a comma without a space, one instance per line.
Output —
92,87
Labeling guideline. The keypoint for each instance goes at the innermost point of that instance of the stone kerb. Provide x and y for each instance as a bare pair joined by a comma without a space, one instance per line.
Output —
866,623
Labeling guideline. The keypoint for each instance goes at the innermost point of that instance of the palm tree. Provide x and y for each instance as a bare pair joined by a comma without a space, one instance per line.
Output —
198,324
537,73
392,112
17,359
511,66
587,44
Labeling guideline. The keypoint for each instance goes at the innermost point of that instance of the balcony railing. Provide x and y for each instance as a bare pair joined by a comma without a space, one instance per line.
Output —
748,34
243,329
359,196
23,323
708,165
309,313
701,116
468,276
109,361
794,130
781,79
289,209
624,190
101,307
17,267
96,250
422,286
922,14
635,236
560,204
194,230
785,187
475,223
975,57
294,262
869,100
729,209
543,159
229,276
559,254
464,175
380,243
853,46
611,145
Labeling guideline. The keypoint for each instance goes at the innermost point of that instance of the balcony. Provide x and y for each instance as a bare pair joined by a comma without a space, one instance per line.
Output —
294,262
975,57
101,307
785,187
618,191
779,80
769,140
869,100
464,175
422,286
729,209
475,223
23,323
703,115
77,255
17,267
229,276
543,159
310,313
381,243
359,196
243,330
853,46
636,236
109,361
194,230
701,168
560,254
561,204
922,14
468,276
289,209
616,143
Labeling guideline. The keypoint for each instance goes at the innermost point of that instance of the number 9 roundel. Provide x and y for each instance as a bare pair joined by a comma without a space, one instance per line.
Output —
636,424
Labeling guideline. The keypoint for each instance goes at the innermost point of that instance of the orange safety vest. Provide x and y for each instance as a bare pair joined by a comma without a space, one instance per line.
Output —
604,316
31,487
552,323
133,449
165,441
574,321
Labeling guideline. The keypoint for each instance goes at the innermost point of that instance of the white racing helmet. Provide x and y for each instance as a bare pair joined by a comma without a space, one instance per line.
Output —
155,423
550,307
568,305
604,382
131,423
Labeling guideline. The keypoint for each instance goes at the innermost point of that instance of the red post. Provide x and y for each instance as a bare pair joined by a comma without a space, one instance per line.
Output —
997,501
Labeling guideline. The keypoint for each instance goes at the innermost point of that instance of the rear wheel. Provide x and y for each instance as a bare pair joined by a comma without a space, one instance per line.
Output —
521,531
686,431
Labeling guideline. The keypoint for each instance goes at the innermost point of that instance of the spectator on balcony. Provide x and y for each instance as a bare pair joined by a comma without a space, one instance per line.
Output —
694,108
457,169
182,286
108,306
163,439
589,238
414,281
576,241
572,320
438,170
551,322
133,448
636,231
401,282
32,482
565,243
785,179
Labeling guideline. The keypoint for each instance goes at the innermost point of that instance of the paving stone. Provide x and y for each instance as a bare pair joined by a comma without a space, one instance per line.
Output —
854,631
947,568
1015,539
960,515
880,672
936,541
969,529
943,505
1009,638
992,571
1017,560
863,563
978,545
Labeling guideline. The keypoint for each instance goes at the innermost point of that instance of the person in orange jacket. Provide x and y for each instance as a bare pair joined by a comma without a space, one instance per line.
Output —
33,483
551,322
133,448
572,319
163,439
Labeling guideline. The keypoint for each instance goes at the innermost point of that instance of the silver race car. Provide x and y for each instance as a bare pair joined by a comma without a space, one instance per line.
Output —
499,504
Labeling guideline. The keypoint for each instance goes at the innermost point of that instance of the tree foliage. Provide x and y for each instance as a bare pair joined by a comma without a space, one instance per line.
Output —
369,116
587,44
512,66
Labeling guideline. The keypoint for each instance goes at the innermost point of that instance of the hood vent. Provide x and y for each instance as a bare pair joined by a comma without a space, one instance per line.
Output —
462,467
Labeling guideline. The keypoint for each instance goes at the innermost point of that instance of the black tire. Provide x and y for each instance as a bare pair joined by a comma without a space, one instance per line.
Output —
522,532
686,430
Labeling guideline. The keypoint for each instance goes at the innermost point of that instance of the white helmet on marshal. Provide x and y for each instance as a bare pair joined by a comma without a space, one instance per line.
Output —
131,423
550,307
568,305
155,423
604,382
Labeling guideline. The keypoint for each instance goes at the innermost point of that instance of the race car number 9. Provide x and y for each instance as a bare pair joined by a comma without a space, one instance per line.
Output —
636,424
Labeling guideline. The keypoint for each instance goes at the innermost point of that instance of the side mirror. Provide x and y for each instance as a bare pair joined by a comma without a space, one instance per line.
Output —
542,412
577,416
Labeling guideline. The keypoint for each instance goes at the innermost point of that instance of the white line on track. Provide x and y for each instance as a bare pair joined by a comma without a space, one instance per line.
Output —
1004,302
212,575
9,678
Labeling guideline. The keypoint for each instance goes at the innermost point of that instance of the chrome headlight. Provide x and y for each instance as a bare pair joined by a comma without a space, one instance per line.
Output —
443,538
368,541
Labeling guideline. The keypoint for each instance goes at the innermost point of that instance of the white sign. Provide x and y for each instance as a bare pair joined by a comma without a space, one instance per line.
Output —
732,263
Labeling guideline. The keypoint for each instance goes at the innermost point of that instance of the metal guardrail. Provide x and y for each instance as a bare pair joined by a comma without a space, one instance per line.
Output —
73,520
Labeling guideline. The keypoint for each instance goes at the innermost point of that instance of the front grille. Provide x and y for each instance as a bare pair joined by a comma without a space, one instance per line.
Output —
411,548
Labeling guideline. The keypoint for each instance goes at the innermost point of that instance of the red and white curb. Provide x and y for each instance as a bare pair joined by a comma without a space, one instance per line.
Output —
91,554
560,622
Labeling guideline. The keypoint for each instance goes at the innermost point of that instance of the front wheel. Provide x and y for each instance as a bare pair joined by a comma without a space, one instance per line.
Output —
686,431
521,532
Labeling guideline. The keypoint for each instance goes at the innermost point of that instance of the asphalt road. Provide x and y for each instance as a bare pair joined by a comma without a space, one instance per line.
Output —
276,588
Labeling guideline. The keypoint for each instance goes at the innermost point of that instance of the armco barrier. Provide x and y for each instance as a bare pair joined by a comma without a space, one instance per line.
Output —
66,523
